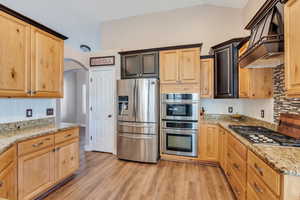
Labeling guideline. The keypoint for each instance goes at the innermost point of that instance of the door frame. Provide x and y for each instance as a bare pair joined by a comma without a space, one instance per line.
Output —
97,69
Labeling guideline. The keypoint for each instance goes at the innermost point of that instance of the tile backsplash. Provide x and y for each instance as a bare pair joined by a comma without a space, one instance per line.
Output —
12,110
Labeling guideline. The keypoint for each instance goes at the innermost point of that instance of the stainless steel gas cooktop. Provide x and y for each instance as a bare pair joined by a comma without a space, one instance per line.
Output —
262,135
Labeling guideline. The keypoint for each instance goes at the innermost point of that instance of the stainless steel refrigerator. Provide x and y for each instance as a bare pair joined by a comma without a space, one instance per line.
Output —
138,120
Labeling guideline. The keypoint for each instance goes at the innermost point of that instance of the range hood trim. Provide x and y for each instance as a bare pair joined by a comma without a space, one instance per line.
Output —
266,41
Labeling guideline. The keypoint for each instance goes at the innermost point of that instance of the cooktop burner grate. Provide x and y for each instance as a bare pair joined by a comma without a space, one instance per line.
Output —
262,135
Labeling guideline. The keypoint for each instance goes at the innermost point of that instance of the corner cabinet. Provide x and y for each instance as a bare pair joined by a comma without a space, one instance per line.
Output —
226,69
140,65
206,77
31,59
292,47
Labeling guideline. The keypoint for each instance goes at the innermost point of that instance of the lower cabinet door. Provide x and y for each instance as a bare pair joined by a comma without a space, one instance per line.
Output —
8,183
209,143
66,159
35,173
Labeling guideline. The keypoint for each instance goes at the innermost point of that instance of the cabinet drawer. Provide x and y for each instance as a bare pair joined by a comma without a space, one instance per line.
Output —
35,144
264,172
7,158
258,186
63,136
238,189
238,147
238,166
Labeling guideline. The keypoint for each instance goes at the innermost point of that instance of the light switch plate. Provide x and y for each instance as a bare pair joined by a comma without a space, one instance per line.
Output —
28,112
50,111
230,109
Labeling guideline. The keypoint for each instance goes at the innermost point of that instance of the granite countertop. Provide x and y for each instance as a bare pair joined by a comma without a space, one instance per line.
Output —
8,138
285,160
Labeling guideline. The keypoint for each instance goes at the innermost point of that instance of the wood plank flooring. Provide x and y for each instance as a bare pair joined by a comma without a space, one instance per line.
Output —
103,177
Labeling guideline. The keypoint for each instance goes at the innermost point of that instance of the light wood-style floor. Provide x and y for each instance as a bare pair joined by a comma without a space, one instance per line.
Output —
103,177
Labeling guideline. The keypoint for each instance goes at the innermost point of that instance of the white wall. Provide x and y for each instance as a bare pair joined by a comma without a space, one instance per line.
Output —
12,110
81,79
247,107
208,24
250,10
69,102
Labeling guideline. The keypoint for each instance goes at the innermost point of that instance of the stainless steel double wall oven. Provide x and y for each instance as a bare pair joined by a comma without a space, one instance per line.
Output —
180,114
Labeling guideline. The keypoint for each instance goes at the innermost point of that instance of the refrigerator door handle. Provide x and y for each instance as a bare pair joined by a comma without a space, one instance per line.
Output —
134,100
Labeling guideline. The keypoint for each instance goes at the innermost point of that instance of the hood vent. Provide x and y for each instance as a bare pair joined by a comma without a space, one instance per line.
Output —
266,44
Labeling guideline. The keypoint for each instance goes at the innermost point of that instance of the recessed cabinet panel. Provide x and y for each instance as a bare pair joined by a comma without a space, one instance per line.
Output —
223,72
169,66
292,47
131,65
206,78
8,189
149,64
67,159
14,56
189,65
47,64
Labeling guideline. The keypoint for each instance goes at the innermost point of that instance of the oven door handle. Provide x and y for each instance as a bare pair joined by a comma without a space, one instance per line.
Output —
181,132
180,102
130,136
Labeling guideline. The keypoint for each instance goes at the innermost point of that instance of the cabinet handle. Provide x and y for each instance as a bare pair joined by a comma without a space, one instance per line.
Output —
69,135
260,170
1,184
33,92
29,92
38,144
72,158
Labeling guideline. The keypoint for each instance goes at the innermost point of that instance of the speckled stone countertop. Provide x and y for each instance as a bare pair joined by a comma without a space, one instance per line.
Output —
14,135
285,160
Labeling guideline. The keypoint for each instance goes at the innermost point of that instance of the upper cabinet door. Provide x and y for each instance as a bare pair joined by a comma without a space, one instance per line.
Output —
47,64
14,57
189,65
169,66
130,66
206,78
292,47
149,65
224,73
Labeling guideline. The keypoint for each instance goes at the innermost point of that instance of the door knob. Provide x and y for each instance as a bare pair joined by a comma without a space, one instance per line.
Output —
109,116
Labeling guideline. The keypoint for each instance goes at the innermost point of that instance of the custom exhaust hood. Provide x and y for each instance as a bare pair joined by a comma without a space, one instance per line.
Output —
266,43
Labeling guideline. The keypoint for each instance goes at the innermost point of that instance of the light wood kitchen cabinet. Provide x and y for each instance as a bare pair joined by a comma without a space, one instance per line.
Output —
180,66
207,78
31,59
14,56
45,161
255,83
8,175
66,159
35,173
292,47
47,64
209,143
223,149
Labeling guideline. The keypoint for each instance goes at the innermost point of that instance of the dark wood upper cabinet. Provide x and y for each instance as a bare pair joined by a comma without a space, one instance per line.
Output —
226,69
142,65
130,66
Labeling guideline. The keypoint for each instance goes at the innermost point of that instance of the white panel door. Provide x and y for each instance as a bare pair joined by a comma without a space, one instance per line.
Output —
102,117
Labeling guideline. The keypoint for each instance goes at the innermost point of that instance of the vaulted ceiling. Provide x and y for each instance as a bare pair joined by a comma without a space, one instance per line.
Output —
80,19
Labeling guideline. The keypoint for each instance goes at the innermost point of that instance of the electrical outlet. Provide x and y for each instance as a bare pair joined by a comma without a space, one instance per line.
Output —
50,111
230,109
262,113
28,112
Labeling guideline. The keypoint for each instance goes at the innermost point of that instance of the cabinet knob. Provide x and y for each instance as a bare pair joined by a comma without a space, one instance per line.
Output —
1,184
29,92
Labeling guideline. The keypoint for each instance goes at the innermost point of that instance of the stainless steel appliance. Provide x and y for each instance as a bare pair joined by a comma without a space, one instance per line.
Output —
180,138
138,120
262,135
180,107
